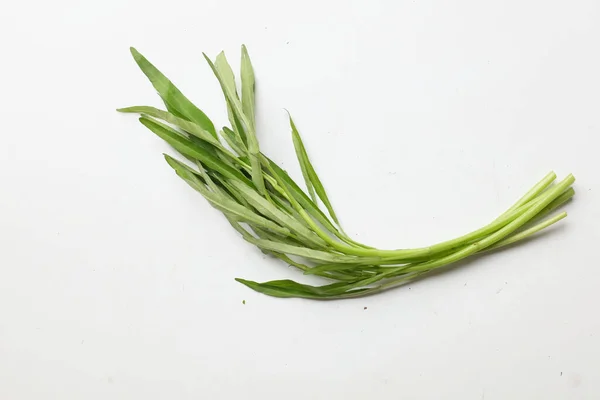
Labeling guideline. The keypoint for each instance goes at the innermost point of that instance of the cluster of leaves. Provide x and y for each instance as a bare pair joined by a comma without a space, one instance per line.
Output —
269,210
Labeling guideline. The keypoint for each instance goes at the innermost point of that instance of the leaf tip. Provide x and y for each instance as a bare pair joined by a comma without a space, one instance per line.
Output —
147,122
136,54
245,282
292,124
173,163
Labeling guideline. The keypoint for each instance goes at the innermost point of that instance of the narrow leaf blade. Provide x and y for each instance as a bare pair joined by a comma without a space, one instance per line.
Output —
190,149
175,101
253,148
188,126
313,178
315,255
300,154
272,212
226,73
223,203
248,86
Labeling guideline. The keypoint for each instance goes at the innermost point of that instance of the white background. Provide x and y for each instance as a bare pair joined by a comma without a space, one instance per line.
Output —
425,119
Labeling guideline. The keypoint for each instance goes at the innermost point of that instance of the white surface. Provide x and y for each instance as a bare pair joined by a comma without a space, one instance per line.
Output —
425,120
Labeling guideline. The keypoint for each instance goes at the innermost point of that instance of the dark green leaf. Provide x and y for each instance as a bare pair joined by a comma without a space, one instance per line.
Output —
175,101
287,288
188,126
316,255
186,147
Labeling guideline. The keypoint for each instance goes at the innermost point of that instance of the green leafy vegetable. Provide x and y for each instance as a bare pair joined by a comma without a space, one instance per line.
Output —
174,100
266,206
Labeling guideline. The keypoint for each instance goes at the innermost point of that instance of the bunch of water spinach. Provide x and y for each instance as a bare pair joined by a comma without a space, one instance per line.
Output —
264,204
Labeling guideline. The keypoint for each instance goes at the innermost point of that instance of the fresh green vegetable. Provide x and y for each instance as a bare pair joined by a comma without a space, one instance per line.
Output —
269,210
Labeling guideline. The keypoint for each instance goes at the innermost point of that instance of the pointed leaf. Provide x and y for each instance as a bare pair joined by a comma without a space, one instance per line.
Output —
248,86
297,194
222,65
253,148
288,288
300,154
336,267
262,234
308,170
315,255
231,208
234,142
269,210
175,101
186,147
232,191
188,126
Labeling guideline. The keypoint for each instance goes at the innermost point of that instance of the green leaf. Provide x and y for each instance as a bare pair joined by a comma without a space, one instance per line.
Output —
315,255
340,290
178,165
231,208
209,182
272,212
226,73
231,190
301,155
196,134
253,148
188,126
233,141
310,175
287,288
245,234
297,194
329,275
175,101
248,86
337,267
186,147
222,65
262,234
